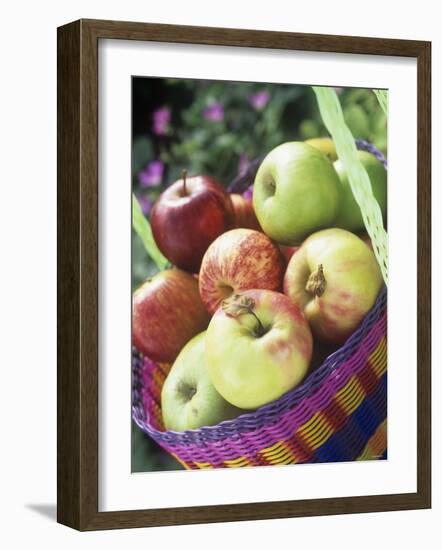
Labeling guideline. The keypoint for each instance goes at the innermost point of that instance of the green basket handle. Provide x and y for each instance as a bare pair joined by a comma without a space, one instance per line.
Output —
333,118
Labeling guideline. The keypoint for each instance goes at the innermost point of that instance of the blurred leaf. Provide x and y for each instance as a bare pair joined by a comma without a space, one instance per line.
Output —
382,96
142,227
143,267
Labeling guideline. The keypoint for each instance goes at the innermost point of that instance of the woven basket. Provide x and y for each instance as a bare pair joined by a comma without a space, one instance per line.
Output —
337,414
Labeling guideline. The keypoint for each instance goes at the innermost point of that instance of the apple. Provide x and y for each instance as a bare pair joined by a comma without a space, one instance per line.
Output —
296,192
258,347
287,251
244,214
349,214
367,240
238,260
166,313
335,279
325,145
188,216
188,398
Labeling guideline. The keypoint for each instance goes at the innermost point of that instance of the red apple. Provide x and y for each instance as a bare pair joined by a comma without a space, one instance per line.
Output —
166,313
287,251
188,216
244,213
334,278
239,260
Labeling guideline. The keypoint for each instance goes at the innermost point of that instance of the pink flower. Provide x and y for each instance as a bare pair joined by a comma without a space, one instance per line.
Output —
214,112
248,193
259,100
161,120
152,174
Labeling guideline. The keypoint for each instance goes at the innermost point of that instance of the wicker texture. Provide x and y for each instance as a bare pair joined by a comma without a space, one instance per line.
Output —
337,414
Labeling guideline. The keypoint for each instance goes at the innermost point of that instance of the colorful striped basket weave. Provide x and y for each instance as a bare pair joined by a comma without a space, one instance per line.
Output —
339,412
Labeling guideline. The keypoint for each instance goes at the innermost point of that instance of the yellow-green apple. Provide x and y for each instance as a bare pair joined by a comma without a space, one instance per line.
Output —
238,260
366,238
325,145
349,214
188,216
296,192
258,347
166,313
188,398
244,214
334,278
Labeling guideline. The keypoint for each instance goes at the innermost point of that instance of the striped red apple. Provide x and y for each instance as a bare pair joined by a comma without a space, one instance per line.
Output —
239,260
244,213
166,313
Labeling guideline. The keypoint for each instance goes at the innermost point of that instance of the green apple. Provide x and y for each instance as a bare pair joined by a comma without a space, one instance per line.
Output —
308,128
188,398
349,214
296,192
334,278
325,145
258,347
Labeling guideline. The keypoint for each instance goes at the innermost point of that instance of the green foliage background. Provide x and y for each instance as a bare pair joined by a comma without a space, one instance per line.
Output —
218,148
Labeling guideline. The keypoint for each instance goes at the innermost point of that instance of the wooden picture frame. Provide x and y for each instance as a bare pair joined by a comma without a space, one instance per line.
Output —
77,459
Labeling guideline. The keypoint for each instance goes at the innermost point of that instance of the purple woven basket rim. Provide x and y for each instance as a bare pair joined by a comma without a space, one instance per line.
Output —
289,399
286,401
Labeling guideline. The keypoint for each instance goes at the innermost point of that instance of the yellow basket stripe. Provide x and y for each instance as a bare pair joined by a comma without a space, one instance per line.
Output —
378,358
316,431
321,436
203,465
351,396
279,453
237,462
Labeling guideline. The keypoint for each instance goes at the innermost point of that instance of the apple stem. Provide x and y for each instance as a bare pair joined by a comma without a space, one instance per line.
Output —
260,330
316,283
238,305
184,176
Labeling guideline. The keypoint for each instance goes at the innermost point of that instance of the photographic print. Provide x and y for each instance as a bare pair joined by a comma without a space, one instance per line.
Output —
225,233
259,268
